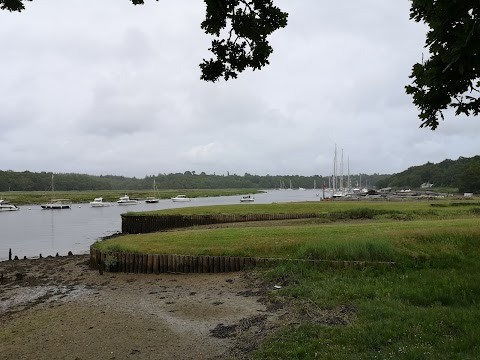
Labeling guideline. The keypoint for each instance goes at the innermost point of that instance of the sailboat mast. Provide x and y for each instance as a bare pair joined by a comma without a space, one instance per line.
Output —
335,170
349,185
341,173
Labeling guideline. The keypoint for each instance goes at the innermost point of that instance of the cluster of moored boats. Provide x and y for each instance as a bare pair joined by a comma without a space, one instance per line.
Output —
126,200
57,204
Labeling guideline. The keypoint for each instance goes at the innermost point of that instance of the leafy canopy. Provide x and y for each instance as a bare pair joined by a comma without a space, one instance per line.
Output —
240,28
450,77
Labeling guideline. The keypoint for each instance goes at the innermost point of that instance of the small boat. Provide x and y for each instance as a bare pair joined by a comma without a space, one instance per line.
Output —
247,199
153,199
338,195
6,206
98,202
125,200
290,188
57,204
180,198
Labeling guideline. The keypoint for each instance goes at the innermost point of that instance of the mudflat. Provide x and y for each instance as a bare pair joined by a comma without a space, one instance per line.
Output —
59,308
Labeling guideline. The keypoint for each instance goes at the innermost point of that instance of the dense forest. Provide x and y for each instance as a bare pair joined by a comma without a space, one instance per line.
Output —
463,174
30,181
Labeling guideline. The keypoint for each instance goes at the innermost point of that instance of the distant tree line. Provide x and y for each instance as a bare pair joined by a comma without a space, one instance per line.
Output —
31,181
463,174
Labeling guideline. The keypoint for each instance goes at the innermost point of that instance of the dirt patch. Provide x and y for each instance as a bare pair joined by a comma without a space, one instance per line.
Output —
57,308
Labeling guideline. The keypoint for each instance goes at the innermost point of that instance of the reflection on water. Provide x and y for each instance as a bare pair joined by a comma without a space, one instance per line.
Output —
47,232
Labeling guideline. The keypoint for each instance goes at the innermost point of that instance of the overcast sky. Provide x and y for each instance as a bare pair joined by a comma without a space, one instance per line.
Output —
106,87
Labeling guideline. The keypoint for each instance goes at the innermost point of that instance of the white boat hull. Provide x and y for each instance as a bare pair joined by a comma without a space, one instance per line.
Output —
9,208
5,206
56,206
98,202
128,202
152,201
125,200
180,198
92,204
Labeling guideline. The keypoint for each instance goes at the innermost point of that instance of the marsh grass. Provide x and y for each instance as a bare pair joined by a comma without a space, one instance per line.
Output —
425,307
338,210
361,241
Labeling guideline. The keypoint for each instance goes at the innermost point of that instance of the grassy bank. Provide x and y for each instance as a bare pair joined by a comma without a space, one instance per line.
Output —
425,307
428,312
360,209
363,241
38,197
417,310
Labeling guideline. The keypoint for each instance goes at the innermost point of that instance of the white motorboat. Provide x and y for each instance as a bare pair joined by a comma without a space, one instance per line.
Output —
98,202
57,204
338,195
247,199
6,206
180,198
125,200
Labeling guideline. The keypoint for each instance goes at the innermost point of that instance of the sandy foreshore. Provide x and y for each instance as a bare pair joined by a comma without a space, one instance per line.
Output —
58,308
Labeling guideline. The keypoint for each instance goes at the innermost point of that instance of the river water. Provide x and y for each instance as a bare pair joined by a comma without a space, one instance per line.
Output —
33,231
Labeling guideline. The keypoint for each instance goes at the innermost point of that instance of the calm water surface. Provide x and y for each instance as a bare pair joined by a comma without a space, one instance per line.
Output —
47,232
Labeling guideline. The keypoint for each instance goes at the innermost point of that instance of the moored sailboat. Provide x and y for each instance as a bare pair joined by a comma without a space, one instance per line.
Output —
153,199
56,204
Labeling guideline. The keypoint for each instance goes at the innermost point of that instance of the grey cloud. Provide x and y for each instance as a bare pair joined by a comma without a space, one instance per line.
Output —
119,85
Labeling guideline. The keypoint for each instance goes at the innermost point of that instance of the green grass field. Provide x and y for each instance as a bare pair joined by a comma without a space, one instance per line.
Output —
427,306
421,207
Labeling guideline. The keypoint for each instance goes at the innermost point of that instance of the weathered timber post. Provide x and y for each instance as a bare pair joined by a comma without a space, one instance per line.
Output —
155,264
216,264
163,263
149,263
222,264
138,263
205,265
195,264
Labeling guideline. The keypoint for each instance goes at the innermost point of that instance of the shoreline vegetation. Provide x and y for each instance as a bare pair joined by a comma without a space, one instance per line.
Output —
424,307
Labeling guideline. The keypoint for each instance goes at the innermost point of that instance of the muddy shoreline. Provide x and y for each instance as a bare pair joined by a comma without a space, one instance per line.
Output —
59,308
